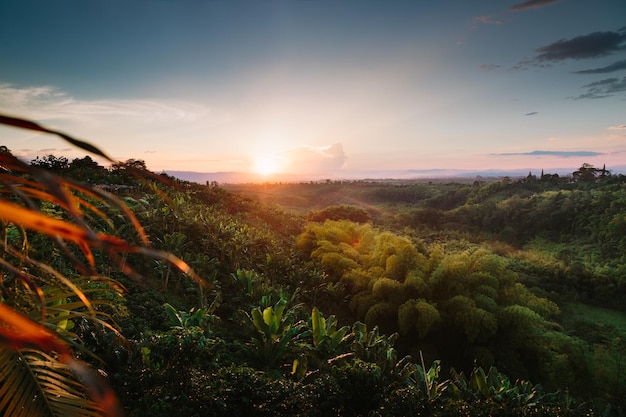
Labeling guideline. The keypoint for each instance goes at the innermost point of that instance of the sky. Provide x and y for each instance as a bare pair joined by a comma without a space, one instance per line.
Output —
319,87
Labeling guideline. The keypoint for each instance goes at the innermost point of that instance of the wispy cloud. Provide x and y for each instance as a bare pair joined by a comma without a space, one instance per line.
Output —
50,103
618,127
486,20
531,4
603,88
562,154
28,154
532,113
616,66
489,67
118,126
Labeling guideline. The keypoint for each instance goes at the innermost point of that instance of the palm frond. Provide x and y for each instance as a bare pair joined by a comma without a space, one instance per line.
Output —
21,384
37,384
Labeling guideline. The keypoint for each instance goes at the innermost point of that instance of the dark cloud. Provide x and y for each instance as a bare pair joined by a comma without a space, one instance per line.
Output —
593,45
532,113
563,154
603,88
616,66
531,4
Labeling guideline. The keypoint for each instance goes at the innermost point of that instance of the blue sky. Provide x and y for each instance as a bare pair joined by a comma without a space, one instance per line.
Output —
328,87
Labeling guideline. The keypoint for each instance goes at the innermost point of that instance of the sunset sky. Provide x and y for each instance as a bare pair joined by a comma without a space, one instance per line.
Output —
320,87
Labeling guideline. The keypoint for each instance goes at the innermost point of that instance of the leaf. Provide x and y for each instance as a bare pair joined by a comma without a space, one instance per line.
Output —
55,366
317,326
257,320
43,385
173,315
269,318
18,333
26,124
279,308
479,380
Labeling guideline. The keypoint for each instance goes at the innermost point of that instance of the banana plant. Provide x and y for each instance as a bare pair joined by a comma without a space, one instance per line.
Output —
325,333
427,380
196,317
277,333
251,285
373,347
496,386
327,339
246,280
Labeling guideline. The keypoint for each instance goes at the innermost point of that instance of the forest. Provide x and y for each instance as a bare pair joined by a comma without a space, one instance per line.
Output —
125,292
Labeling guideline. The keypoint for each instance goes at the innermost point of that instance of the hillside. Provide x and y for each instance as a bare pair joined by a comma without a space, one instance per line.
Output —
342,298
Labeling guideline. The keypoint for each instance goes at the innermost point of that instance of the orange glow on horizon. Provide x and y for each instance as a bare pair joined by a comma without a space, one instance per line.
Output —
268,165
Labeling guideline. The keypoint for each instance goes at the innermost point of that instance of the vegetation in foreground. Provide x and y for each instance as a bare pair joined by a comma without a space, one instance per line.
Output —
418,299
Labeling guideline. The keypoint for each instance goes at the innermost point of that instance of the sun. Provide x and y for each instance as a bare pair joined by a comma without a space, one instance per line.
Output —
268,164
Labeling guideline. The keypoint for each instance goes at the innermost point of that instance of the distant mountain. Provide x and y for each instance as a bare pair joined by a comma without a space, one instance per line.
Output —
238,177
243,177
220,177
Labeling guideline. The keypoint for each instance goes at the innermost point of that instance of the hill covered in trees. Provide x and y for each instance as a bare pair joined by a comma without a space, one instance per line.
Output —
500,298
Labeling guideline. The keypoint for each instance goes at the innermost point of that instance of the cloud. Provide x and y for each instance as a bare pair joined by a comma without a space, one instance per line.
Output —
532,113
47,151
602,89
489,67
531,4
314,160
593,45
28,154
562,154
50,103
616,66
618,127
486,20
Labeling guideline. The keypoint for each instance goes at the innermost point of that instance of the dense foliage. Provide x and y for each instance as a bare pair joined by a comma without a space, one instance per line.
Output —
410,299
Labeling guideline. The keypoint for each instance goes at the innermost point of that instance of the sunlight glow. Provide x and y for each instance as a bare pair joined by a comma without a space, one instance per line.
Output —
268,164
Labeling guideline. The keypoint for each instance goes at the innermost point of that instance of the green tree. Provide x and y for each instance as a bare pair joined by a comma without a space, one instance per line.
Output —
417,317
87,170
56,164
589,173
463,315
343,212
